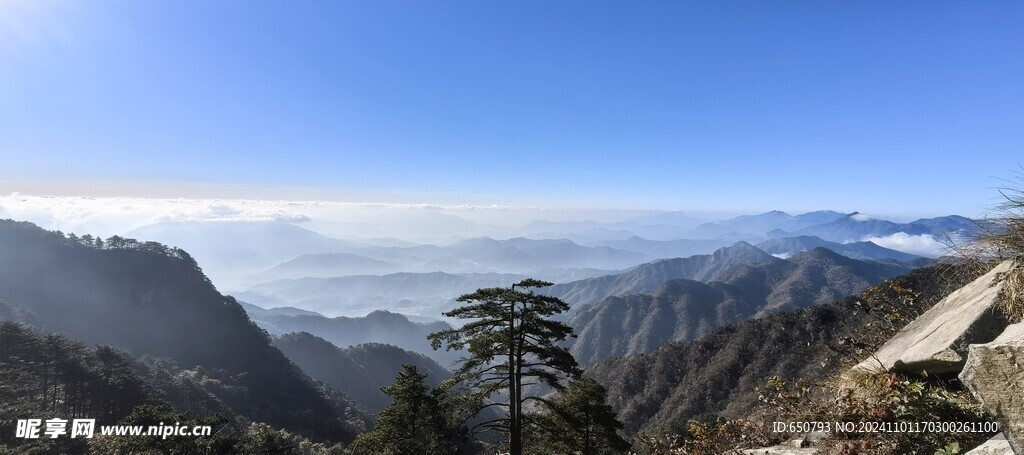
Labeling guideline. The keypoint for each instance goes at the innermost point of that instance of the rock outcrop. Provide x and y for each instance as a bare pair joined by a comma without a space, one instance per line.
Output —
937,341
994,373
998,445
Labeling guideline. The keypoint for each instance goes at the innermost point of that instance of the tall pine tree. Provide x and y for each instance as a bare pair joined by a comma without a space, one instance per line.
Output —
512,345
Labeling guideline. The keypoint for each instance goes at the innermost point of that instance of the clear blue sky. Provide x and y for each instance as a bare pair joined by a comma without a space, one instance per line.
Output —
885,107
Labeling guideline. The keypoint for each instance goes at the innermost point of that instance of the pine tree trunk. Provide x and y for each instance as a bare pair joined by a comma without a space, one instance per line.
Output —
515,437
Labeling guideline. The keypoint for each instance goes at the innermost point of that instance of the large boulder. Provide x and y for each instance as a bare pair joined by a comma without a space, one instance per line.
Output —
994,373
937,341
998,445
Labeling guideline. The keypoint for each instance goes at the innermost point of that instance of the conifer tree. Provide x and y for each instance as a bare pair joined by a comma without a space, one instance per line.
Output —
512,345
579,421
414,423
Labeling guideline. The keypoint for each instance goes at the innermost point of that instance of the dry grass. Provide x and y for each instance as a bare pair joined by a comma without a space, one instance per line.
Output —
1011,298
1000,236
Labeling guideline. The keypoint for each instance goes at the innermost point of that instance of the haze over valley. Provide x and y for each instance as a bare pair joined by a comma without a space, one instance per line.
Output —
354,259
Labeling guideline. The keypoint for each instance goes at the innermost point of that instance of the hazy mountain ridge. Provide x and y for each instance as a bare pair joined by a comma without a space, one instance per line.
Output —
764,222
682,309
648,277
856,226
414,293
790,246
376,327
232,249
358,371
252,261
151,300
663,249
325,265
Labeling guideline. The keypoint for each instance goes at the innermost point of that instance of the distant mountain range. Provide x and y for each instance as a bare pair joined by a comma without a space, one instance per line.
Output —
650,276
229,251
765,222
856,226
685,309
790,246
413,293
251,258
430,293
376,327
326,265
670,248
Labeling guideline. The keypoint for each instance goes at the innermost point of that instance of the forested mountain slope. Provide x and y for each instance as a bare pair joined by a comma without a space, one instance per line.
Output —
682,310
148,299
717,375
358,371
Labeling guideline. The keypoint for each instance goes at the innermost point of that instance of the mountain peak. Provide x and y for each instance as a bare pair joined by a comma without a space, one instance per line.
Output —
820,254
741,249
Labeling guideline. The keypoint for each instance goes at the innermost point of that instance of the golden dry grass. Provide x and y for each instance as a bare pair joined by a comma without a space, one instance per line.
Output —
1000,236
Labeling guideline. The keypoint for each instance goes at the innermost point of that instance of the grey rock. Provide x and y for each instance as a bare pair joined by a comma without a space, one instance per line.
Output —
937,341
994,373
998,445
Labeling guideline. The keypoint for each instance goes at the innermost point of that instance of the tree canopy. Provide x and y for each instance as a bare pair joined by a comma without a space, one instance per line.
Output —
416,421
512,345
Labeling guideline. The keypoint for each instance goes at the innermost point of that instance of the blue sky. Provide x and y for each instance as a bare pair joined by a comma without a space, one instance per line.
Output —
884,107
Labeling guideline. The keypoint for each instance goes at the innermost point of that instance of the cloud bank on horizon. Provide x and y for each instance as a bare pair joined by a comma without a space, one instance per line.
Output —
107,216
424,223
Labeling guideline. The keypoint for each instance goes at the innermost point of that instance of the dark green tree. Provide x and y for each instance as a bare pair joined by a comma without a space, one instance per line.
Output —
579,421
512,345
414,423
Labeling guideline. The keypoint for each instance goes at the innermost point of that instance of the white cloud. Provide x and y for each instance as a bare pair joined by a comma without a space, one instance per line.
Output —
921,245
783,255
860,217
115,215
106,216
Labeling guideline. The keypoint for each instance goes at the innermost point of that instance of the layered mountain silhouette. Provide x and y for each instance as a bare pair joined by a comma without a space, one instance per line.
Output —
515,255
414,293
791,246
358,371
151,300
229,251
326,265
717,375
648,277
670,248
765,222
685,309
376,327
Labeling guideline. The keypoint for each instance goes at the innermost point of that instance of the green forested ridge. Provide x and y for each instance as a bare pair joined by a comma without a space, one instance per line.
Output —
49,376
152,300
